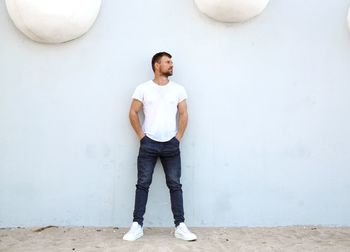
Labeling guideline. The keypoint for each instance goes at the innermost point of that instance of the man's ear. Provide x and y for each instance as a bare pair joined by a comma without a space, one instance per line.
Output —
156,65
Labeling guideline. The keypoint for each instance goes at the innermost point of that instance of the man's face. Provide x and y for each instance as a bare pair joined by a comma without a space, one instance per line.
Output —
166,66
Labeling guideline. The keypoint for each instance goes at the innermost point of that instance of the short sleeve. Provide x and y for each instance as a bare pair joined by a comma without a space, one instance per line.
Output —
138,94
182,94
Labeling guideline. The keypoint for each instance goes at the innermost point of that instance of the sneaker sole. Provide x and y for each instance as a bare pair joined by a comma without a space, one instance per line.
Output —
137,237
183,238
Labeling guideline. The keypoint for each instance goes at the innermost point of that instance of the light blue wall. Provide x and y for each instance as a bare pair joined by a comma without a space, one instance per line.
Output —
268,141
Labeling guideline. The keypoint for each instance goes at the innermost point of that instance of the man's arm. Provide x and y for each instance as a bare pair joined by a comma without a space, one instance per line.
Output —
182,120
135,107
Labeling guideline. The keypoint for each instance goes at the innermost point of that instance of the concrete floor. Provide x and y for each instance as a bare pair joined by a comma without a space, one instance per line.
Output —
162,239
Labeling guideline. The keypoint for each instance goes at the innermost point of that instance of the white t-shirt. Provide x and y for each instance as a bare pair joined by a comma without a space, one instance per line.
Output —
160,108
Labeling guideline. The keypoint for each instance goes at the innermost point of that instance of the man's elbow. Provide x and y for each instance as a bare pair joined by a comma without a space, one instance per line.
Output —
183,114
132,114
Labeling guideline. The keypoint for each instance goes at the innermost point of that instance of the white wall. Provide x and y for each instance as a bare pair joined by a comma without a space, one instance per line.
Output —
268,141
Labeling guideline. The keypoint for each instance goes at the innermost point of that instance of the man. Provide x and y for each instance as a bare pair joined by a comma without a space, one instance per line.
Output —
165,109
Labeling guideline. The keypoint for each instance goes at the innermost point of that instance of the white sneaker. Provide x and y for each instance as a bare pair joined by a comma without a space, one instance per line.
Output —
183,233
135,232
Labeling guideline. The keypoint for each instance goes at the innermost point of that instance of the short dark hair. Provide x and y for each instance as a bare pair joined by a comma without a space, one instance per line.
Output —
158,56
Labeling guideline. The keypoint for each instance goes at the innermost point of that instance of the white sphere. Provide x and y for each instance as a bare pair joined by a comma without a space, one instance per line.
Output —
53,21
231,10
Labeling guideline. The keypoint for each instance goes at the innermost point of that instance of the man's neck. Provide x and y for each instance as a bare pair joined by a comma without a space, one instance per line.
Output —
161,80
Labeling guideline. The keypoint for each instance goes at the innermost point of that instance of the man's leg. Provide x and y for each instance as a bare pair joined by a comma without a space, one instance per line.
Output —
146,162
171,161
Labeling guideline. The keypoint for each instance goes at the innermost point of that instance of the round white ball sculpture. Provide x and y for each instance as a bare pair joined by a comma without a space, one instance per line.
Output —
231,10
53,21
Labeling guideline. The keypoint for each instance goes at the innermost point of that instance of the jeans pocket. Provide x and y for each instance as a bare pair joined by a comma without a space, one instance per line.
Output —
143,139
176,140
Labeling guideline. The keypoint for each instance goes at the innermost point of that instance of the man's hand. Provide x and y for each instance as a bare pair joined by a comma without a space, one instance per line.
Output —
178,137
141,136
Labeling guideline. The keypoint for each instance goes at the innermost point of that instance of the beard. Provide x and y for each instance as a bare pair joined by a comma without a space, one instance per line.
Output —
168,73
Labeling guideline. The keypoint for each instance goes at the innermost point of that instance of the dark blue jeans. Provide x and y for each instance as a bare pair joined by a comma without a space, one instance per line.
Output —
169,154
